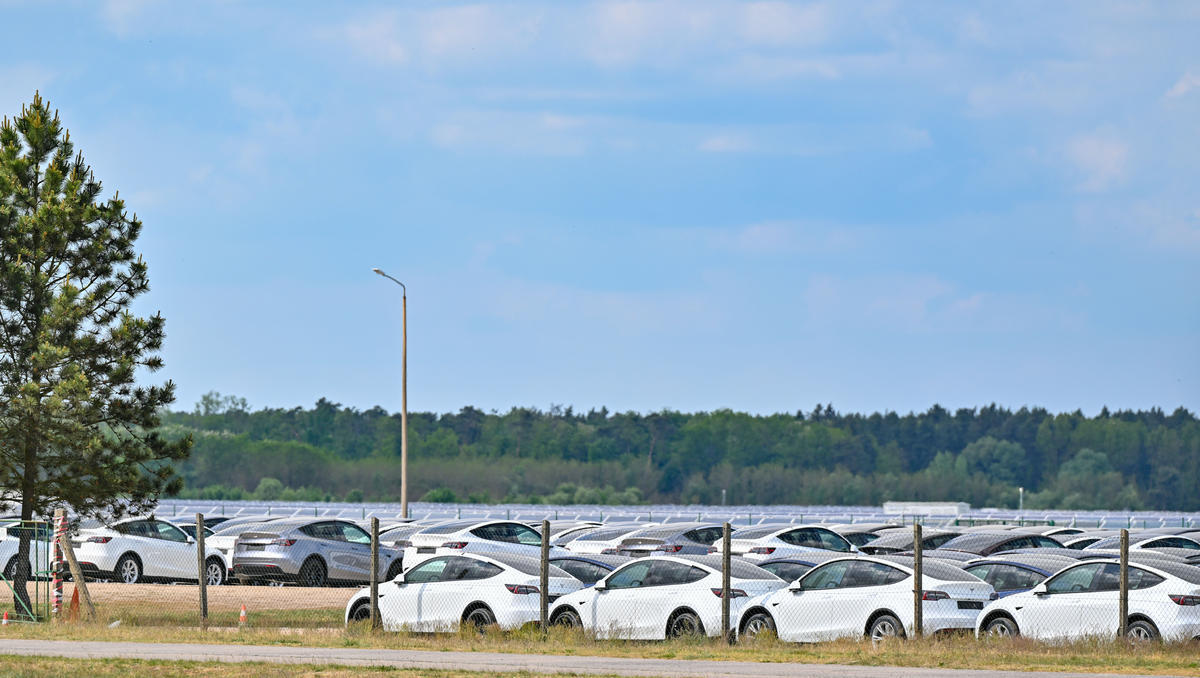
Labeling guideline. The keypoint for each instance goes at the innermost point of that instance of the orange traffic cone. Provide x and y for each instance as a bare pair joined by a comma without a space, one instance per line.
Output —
5,622
73,610
241,617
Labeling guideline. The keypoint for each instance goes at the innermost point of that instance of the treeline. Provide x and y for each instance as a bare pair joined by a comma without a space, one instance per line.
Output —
1118,460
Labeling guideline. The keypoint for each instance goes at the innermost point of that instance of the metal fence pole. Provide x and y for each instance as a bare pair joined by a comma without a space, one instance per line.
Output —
918,583
544,601
201,566
725,567
1123,607
376,622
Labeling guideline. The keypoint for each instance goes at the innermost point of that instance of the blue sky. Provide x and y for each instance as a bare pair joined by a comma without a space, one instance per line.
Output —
639,205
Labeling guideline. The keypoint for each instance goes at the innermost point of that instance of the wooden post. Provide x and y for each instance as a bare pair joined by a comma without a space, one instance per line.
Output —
918,583
1123,607
725,567
201,566
77,575
544,603
376,622
59,528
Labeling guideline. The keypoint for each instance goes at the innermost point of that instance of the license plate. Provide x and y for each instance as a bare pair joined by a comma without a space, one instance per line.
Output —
970,605
256,547
427,549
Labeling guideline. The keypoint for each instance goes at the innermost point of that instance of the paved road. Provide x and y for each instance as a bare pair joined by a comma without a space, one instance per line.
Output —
479,661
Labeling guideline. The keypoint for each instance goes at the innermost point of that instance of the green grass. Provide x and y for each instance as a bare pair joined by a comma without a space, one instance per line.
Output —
1019,654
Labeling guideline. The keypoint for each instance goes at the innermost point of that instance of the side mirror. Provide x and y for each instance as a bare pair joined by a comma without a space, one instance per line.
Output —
600,586
796,588
1040,591
191,541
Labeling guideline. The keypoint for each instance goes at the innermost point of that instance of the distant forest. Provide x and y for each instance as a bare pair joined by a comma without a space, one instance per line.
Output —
1115,460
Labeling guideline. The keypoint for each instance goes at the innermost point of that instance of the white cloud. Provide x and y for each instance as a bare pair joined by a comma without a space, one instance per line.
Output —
726,143
121,16
1187,83
783,24
377,39
1101,159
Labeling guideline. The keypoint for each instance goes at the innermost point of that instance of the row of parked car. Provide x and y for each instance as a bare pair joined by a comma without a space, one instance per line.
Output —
636,580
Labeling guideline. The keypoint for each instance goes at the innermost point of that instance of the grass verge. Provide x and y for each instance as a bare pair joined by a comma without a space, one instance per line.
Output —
54,667
963,652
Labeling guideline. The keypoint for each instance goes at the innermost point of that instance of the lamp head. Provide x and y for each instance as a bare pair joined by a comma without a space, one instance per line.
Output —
377,271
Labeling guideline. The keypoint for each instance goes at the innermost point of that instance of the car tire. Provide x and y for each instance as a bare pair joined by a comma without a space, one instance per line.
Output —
10,569
312,573
360,612
885,626
567,618
685,624
129,569
1002,627
757,623
214,572
479,619
1142,631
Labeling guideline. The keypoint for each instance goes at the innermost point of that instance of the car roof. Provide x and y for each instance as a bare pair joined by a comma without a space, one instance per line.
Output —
985,540
938,569
813,558
1046,564
609,533
460,525
523,564
1188,573
738,567
904,536
762,530
607,560
670,530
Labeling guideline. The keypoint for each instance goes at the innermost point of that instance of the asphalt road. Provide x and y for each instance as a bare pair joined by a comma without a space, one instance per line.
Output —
479,661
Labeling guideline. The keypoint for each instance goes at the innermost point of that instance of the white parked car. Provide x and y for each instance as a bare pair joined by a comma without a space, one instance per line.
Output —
761,542
1082,601
604,539
657,597
475,536
872,596
145,549
444,592
40,552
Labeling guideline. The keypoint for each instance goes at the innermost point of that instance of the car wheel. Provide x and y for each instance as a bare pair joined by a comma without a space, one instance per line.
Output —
760,622
1141,631
214,572
394,570
278,583
1002,627
312,573
684,625
360,612
885,626
129,569
567,618
10,570
479,619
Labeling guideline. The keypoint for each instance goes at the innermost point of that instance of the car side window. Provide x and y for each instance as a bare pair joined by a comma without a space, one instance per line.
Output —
665,573
1173,542
429,571
1109,578
466,569
937,540
630,576
832,541
828,576
488,532
870,574
354,534
787,571
705,535
523,535
168,532
1141,579
1045,543
981,571
1011,578
1075,580
585,572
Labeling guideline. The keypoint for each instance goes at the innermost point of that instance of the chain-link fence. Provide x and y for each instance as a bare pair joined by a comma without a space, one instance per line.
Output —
802,583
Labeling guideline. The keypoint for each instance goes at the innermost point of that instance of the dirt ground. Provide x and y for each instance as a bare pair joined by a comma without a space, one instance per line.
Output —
220,598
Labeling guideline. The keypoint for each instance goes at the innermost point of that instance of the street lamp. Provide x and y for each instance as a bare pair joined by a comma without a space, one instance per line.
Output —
403,396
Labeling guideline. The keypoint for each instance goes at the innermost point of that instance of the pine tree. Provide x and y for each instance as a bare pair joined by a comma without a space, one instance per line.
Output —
76,431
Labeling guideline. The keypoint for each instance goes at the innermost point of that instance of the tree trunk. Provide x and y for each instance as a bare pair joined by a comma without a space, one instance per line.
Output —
21,602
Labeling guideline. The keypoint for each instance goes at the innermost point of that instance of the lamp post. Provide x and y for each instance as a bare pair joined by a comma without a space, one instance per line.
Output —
403,395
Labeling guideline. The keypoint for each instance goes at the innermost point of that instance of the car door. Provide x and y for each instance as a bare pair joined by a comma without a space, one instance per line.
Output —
141,537
176,558
802,611
331,544
1097,610
667,587
1053,614
400,601
612,611
357,545
463,581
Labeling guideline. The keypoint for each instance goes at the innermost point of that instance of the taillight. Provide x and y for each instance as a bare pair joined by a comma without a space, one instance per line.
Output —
1185,600
455,545
283,542
608,552
670,548
935,595
98,540
763,550
402,543
733,593
712,550
522,589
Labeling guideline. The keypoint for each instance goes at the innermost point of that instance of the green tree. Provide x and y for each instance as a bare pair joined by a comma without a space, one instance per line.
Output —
75,429
1000,460
269,489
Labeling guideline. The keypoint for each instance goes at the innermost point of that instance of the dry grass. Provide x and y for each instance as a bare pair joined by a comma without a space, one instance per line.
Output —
942,651
54,667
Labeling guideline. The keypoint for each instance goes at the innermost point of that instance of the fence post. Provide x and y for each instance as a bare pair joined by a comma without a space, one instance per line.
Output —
725,566
68,552
1123,607
918,583
544,598
376,622
201,575
57,583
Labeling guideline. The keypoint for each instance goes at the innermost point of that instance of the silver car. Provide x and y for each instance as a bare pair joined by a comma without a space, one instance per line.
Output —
311,552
